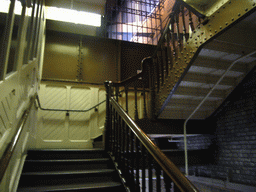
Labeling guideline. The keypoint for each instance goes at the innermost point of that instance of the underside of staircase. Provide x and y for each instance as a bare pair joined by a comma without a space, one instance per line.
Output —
212,61
69,170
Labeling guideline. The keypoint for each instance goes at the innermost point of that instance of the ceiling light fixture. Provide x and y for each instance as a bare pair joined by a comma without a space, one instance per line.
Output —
73,16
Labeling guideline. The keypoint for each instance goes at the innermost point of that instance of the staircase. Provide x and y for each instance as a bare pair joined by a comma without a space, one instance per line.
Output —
196,63
69,170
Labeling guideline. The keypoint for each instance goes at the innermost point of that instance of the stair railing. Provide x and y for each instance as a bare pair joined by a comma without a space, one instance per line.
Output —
136,156
133,151
9,150
173,53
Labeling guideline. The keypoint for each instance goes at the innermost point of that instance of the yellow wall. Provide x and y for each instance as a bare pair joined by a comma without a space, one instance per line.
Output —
100,57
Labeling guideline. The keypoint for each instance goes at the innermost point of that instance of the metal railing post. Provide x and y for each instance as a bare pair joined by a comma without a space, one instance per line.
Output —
106,129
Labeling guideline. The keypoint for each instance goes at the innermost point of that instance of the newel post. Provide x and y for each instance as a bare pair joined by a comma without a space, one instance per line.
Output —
106,136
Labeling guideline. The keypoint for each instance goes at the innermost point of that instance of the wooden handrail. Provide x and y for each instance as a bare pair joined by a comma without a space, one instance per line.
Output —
169,168
7,155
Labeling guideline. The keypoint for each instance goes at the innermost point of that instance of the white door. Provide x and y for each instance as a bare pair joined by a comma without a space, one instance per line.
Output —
74,129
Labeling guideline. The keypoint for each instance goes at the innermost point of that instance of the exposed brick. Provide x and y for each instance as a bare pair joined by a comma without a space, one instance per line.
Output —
236,137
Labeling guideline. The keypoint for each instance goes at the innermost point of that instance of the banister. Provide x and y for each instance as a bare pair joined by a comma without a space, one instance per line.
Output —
169,168
161,40
7,155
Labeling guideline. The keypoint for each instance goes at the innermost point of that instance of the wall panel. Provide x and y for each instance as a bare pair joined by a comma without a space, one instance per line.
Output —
70,129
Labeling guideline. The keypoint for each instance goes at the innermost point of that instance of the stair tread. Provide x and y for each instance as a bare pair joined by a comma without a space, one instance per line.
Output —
71,187
64,154
66,160
70,172
75,150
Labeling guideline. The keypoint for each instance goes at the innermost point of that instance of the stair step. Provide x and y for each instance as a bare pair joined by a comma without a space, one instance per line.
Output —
97,171
56,154
34,179
69,170
67,165
92,187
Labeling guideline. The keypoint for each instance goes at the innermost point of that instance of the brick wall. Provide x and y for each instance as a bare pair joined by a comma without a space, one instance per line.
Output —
199,142
235,137
236,133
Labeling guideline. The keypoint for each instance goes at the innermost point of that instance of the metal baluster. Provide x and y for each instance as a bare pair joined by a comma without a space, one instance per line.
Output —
192,28
144,97
185,36
112,131
150,168
138,156
132,160
118,140
167,182
156,72
164,60
158,69
115,134
161,66
127,156
168,51
108,124
173,38
109,138
143,167
136,104
177,21
122,145
117,93
152,89
126,98
158,178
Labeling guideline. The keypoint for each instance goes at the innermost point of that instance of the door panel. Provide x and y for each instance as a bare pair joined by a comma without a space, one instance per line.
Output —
79,122
73,129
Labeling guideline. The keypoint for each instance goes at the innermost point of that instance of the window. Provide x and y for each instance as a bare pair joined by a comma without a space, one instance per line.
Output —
28,34
4,10
14,39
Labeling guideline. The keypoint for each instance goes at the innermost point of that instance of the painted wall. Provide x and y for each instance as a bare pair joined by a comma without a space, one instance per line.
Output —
100,57
131,56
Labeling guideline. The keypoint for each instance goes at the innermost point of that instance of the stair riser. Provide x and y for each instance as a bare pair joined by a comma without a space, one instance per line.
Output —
51,180
65,166
117,189
62,154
